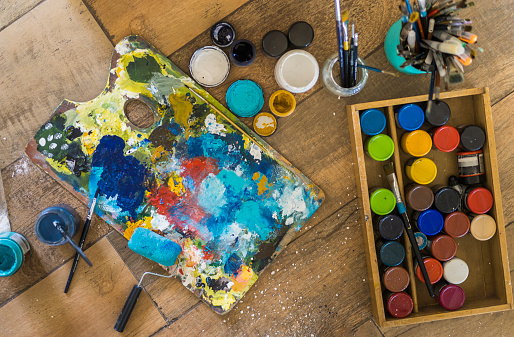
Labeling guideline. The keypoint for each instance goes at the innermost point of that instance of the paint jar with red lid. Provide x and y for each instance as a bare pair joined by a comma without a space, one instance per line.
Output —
478,200
482,227
445,138
472,137
450,296
434,269
471,167
456,224
446,199
442,247
399,305
455,271
419,197
395,279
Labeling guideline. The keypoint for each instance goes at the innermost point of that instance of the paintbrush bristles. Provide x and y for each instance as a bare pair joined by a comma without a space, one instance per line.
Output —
413,17
389,169
345,15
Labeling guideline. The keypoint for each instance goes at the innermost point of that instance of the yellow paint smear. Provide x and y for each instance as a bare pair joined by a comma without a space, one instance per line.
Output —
262,182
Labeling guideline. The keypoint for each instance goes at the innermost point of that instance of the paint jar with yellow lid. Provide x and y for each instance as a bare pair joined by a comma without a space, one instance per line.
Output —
421,170
483,226
282,103
417,143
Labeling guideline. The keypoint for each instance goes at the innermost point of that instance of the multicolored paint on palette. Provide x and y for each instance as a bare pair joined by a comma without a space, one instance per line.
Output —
196,176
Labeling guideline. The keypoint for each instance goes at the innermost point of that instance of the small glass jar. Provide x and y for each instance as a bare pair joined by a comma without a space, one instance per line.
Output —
334,87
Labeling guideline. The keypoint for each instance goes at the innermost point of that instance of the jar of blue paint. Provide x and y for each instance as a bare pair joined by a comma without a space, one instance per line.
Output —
45,229
409,117
429,222
13,249
390,253
373,122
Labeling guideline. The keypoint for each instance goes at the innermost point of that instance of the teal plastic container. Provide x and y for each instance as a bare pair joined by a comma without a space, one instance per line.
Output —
391,42
13,248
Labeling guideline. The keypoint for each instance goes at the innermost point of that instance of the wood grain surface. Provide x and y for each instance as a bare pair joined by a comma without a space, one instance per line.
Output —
322,273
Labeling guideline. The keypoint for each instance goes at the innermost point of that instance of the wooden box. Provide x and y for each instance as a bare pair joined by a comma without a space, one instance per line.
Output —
488,286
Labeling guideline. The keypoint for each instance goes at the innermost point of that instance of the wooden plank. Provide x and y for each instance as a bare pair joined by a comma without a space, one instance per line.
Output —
56,52
92,306
29,190
167,25
11,10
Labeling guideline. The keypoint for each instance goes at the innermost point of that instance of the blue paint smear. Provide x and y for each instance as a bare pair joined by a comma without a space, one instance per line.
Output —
256,218
233,264
115,174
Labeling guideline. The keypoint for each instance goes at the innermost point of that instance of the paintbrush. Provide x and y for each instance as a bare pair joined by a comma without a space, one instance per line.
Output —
60,228
83,236
355,58
340,45
393,183
346,49
378,70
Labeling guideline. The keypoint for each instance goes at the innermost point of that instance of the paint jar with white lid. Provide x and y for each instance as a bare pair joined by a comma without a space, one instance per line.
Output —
333,86
297,71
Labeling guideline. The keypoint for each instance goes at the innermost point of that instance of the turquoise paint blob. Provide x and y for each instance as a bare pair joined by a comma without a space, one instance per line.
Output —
392,40
154,247
252,216
245,98
7,258
13,247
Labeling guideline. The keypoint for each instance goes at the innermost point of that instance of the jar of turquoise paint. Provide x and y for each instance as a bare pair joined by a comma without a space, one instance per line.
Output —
392,40
13,249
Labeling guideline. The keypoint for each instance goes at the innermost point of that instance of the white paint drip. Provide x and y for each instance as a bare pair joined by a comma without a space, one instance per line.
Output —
213,126
255,151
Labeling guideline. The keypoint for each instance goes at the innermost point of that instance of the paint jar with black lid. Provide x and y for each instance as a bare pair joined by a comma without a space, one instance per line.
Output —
274,43
439,114
300,34
390,253
223,34
446,199
242,53
389,227
472,137
398,305
471,167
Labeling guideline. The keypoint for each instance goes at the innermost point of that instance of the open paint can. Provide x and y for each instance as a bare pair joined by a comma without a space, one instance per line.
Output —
297,71
209,66
13,249
65,215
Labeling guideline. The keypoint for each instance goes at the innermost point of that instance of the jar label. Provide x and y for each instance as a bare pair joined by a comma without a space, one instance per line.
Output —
20,240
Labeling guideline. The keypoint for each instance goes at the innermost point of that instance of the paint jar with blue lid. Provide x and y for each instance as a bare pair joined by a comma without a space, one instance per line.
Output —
13,249
373,122
45,229
429,222
409,117
421,240
390,253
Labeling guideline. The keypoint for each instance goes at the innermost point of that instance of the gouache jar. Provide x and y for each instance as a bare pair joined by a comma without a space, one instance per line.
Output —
478,200
209,66
395,279
434,270
13,250
442,247
398,305
334,85
471,167
445,138
47,233
382,201
245,98
429,222
297,71
417,143
419,197
482,227
409,117
390,253
274,43
421,170
242,53
223,34
421,240
439,114
450,296
472,137
446,199
282,103
379,147
300,34
389,227
264,124
455,271
456,224
373,122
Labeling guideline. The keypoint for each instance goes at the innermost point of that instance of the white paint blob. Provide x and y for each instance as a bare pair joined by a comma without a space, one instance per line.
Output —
264,122
213,126
209,66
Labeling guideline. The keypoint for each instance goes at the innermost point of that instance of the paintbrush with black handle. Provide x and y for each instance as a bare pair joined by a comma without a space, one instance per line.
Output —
393,183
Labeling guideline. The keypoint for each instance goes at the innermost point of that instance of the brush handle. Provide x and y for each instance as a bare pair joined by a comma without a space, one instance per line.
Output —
127,309
417,253
61,230
340,51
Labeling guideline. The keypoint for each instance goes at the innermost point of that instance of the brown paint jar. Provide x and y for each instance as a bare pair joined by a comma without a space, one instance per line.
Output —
456,224
395,279
419,197
442,247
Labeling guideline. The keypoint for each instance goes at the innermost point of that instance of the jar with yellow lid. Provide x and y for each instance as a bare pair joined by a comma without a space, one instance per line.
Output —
421,170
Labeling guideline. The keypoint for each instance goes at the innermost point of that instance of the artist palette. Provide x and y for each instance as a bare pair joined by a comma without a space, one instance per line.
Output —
196,175
487,287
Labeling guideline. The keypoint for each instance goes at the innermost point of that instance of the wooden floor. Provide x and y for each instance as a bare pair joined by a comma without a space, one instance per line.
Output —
56,49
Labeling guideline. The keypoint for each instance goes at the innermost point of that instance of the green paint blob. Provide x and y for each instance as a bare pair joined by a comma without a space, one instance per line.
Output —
142,69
